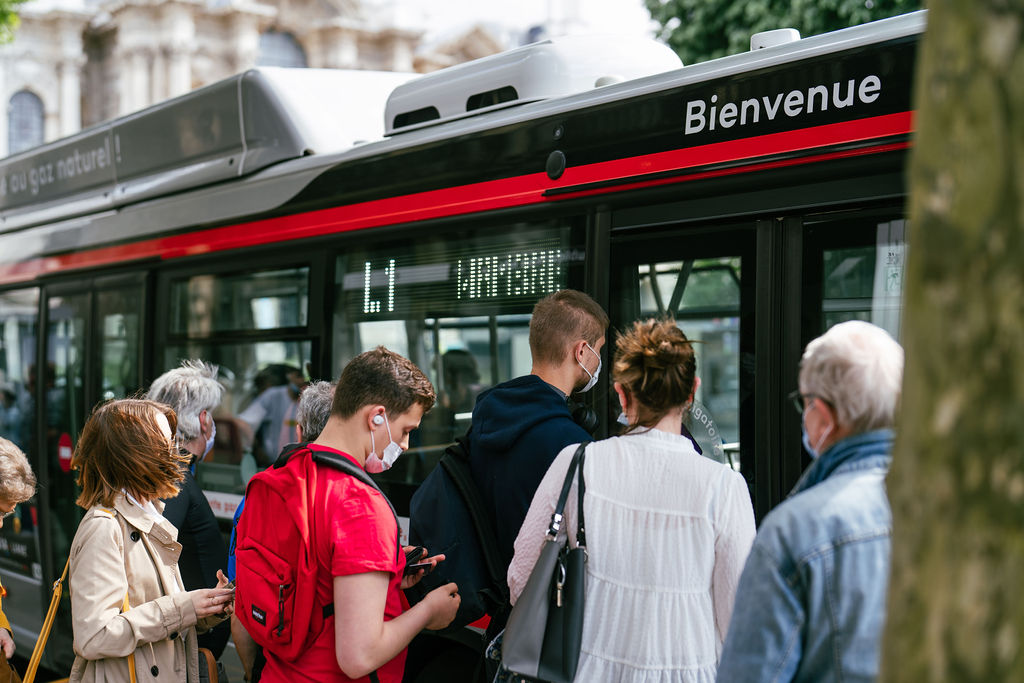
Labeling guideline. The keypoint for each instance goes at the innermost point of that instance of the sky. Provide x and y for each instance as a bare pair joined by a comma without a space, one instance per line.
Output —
439,17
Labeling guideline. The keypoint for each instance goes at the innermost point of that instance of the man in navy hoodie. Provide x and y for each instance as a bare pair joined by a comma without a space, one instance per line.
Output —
519,426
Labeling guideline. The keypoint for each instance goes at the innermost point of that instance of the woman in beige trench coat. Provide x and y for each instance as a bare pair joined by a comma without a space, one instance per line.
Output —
124,548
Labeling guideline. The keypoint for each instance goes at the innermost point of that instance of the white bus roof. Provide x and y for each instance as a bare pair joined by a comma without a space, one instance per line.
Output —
220,132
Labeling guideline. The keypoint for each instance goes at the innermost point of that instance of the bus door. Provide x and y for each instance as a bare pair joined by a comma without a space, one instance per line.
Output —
92,351
704,278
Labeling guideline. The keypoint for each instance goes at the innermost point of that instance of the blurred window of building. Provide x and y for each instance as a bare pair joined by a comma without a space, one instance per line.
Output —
24,122
278,48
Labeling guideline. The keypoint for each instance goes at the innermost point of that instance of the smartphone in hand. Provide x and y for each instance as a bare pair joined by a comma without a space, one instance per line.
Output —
412,557
413,568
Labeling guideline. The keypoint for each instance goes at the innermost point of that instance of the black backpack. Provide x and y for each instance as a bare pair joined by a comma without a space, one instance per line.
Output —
447,515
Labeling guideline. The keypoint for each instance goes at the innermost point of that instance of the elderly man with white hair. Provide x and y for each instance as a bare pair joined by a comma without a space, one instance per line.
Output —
810,605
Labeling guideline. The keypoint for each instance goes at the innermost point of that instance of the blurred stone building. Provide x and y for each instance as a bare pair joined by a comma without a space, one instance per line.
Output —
75,63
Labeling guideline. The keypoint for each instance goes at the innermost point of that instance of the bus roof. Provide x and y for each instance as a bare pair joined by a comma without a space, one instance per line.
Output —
291,111
229,129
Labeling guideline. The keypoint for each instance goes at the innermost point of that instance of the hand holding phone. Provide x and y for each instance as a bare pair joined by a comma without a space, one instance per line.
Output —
415,567
412,557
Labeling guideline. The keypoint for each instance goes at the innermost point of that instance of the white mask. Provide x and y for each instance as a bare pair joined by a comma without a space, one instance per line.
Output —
593,377
376,464
210,440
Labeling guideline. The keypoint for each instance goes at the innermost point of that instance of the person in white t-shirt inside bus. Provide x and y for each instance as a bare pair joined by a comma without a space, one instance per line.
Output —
272,416
668,530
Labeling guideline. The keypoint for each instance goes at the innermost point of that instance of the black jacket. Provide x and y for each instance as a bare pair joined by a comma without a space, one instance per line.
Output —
518,428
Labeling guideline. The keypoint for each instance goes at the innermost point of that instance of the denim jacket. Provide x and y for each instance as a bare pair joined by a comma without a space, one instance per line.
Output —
811,600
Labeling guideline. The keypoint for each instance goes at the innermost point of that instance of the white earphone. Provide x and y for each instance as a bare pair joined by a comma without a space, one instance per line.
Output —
378,419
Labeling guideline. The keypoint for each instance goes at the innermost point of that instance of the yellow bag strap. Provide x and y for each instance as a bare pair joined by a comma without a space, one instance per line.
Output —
131,658
44,632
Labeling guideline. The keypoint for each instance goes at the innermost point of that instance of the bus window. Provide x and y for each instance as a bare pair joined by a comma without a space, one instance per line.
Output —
212,318
119,314
856,268
264,300
19,538
703,295
457,305
866,282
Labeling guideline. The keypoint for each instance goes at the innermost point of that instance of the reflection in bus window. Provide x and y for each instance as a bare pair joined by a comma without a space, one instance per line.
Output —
866,283
459,307
704,297
262,300
19,320
119,315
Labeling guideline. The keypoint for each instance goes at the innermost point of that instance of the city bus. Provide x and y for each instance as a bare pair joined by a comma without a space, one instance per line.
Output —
287,220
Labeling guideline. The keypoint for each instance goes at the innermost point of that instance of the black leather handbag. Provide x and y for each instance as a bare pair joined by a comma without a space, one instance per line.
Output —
545,629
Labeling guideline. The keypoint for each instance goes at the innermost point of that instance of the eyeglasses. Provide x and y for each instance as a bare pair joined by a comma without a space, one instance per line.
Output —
798,400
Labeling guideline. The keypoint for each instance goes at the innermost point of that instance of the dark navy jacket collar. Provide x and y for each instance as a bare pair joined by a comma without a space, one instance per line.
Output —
860,451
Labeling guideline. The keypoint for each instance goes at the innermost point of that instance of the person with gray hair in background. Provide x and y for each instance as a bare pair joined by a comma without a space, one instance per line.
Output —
193,392
811,601
314,409
313,412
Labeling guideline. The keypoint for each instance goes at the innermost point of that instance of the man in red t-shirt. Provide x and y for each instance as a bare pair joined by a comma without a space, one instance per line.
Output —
379,400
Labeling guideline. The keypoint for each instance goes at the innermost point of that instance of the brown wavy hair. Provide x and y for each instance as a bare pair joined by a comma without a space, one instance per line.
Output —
656,366
122,448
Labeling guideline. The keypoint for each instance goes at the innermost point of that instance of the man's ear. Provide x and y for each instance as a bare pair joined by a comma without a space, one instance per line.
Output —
577,349
374,416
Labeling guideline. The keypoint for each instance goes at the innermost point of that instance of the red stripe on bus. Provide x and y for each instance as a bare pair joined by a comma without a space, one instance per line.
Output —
490,195
628,184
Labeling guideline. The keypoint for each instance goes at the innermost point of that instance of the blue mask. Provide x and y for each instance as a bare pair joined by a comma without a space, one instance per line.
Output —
806,439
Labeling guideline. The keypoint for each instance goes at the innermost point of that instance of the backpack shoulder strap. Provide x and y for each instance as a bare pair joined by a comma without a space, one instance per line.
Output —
455,462
343,464
287,452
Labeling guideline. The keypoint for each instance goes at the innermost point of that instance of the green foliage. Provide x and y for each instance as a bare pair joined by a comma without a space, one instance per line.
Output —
699,30
9,19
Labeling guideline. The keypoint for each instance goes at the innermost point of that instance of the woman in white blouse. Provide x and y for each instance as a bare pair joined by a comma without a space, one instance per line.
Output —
668,531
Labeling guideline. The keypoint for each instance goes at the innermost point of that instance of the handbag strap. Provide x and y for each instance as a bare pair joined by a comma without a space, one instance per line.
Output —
556,517
44,632
581,533
131,657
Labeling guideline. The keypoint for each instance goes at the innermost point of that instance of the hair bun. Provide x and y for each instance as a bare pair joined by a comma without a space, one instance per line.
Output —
655,362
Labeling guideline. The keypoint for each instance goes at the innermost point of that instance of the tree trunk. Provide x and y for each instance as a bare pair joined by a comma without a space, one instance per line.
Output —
956,597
